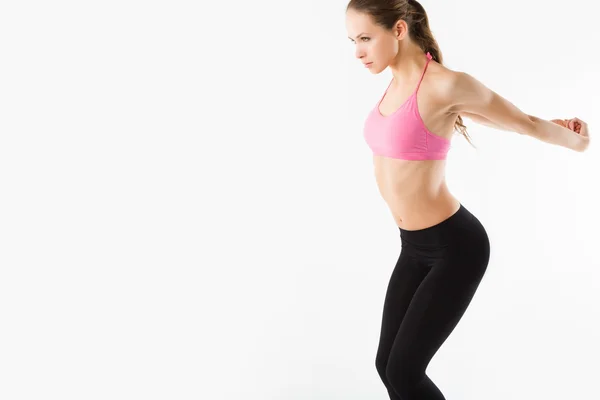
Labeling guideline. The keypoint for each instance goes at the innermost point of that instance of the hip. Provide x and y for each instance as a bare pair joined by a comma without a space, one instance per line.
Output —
459,236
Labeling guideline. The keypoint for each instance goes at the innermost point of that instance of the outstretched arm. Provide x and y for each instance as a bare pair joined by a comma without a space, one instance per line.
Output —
484,121
481,120
470,98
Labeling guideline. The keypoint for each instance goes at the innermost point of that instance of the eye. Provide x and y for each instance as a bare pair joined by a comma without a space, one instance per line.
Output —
363,39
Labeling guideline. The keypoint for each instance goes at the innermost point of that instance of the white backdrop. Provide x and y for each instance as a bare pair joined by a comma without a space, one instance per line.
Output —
188,208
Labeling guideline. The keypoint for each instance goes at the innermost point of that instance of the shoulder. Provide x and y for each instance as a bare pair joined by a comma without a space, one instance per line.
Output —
459,92
441,83
453,88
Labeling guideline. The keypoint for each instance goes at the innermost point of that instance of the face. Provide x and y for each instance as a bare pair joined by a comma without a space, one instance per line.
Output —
376,48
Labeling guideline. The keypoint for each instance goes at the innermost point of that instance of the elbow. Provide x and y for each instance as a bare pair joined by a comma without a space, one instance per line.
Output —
529,126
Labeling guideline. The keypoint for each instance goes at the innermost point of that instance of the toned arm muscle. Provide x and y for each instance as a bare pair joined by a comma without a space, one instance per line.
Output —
470,98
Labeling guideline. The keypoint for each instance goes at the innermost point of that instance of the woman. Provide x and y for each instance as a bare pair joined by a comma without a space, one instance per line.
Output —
445,249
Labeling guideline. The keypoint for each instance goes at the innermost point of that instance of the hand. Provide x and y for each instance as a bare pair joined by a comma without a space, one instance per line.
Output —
561,122
578,126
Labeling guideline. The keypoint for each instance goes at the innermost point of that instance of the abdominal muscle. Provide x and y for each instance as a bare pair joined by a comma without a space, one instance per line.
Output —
415,191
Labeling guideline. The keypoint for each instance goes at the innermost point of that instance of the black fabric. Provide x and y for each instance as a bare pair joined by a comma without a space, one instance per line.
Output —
434,280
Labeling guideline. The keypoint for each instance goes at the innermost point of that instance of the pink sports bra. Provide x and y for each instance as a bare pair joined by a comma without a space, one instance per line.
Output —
402,134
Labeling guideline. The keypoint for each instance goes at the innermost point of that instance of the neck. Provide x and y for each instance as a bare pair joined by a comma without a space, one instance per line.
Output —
409,64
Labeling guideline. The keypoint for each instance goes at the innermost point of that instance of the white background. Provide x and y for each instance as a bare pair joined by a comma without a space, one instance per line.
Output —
188,208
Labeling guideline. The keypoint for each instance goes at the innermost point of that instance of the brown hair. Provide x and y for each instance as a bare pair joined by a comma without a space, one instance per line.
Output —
387,12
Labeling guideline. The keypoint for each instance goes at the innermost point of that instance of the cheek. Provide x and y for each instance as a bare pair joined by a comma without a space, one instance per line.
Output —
382,51
388,48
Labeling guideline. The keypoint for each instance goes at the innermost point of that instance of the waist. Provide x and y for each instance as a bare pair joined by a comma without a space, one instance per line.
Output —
421,209
461,226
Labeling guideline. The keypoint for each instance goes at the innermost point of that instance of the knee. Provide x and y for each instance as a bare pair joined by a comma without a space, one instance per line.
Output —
403,376
381,366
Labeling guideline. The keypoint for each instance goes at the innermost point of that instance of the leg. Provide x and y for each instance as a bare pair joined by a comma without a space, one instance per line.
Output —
438,305
406,278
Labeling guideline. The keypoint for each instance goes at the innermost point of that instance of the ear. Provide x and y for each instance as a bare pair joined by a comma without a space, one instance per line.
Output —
400,29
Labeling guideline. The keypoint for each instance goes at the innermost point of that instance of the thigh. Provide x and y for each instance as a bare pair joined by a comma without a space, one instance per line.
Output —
436,308
405,279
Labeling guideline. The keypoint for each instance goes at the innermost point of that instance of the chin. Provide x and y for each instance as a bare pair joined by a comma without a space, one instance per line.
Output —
375,70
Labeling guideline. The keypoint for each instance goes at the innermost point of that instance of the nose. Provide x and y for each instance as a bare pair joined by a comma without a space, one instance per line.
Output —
359,53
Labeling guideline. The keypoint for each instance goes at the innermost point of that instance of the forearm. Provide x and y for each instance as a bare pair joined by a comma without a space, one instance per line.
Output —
550,132
546,131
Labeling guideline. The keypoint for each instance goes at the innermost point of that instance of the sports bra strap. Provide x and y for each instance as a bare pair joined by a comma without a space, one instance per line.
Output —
429,57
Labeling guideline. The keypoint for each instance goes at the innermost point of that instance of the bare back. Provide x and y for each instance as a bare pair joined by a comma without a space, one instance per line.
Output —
415,190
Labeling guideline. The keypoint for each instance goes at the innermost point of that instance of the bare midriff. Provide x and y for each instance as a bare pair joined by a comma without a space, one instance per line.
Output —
415,191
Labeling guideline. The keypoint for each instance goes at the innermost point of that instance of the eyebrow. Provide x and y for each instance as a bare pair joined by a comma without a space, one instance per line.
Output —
357,36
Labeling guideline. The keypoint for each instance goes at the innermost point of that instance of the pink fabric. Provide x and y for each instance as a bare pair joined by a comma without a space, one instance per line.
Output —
402,134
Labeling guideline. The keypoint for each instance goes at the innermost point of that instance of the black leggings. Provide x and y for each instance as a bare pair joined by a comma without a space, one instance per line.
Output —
433,282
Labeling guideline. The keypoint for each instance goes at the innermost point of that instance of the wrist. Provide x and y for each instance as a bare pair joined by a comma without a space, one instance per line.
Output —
554,133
